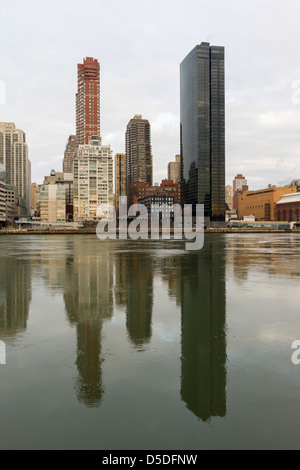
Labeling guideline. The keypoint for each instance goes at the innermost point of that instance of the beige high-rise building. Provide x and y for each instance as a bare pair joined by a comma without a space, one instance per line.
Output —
66,179
229,197
14,156
174,170
53,203
120,178
93,181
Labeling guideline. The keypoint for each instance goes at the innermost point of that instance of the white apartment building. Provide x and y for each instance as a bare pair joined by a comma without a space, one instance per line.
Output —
93,181
14,156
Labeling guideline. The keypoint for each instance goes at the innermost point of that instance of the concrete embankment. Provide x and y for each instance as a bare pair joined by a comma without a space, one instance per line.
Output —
93,232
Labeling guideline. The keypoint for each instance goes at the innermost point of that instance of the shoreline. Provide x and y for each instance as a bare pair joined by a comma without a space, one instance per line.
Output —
93,232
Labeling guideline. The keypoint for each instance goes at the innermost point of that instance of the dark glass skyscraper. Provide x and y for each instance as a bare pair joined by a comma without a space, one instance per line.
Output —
202,98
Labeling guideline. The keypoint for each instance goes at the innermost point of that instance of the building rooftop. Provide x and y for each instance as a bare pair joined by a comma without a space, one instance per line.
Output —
289,198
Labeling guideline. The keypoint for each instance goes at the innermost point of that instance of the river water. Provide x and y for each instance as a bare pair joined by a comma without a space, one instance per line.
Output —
143,345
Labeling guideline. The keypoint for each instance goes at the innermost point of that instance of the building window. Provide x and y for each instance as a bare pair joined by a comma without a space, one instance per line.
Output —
291,216
284,215
278,216
297,215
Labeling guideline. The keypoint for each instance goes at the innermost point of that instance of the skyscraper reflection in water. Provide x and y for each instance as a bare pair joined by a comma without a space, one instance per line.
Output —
139,303
89,303
203,381
15,295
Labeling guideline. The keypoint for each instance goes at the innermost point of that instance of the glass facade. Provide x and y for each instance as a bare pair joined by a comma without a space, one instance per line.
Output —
202,95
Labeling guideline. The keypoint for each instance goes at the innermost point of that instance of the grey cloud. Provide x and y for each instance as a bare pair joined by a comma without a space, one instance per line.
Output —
140,47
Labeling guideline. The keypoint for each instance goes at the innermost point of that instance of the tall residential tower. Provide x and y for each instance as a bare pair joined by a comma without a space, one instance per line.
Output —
70,154
203,130
138,152
88,101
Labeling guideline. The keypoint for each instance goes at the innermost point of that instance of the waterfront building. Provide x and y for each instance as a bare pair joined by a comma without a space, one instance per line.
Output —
202,102
14,157
167,188
93,181
288,208
88,101
174,170
120,178
11,203
139,158
70,154
68,183
262,203
67,180
161,205
53,203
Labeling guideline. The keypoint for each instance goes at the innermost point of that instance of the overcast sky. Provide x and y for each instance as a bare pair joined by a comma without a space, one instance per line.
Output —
140,46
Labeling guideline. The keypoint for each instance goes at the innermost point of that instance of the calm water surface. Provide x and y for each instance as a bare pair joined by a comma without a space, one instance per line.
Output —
142,345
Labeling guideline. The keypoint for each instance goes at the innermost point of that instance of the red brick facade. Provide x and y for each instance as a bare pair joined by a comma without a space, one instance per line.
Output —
141,190
70,154
88,101
288,212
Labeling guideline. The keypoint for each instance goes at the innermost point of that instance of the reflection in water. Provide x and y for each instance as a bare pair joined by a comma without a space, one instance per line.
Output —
95,277
275,256
121,280
15,295
171,275
89,302
139,302
203,381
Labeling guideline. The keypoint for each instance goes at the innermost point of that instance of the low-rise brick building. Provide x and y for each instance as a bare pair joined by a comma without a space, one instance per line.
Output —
288,208
262,203
141,190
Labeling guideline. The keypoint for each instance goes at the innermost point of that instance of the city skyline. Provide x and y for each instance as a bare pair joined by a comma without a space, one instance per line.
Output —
143,77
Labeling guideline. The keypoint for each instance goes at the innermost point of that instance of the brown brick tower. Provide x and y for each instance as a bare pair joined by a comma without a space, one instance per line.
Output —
88,101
